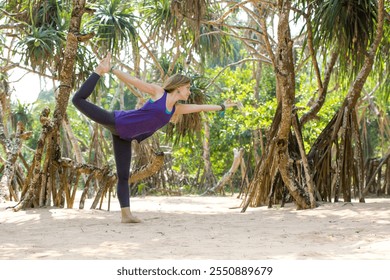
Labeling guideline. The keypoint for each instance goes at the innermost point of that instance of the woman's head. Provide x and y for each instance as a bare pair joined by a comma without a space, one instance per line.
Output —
178,83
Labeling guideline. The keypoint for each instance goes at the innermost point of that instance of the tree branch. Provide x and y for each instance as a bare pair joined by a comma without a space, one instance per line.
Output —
232,64
323,90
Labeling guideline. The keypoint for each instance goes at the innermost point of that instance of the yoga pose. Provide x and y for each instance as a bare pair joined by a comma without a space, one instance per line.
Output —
138,125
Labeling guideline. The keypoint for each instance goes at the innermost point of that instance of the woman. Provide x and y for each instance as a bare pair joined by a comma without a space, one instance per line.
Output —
138,125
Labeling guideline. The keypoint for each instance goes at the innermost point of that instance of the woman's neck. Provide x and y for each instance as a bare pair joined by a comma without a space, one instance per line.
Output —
172,99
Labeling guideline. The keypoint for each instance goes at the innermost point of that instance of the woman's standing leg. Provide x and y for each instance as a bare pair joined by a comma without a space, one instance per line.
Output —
122,152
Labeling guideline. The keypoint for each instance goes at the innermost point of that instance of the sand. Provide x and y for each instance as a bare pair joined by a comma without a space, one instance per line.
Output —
198,228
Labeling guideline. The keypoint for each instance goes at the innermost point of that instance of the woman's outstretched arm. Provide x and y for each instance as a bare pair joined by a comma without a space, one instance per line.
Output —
182,109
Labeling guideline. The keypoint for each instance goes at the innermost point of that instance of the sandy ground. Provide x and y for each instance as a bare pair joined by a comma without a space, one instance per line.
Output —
198,228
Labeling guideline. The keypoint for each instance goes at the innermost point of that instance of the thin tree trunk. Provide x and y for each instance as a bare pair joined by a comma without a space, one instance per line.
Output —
257,144
357,86
73,140
237,161
322,91
359,157
208,177
308,172
383,161
276,158
12,149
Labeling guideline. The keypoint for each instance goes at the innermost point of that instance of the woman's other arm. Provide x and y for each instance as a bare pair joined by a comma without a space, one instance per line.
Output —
151,89
105,66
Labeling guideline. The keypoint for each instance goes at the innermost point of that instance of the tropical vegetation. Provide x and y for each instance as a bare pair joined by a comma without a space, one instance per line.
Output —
311,79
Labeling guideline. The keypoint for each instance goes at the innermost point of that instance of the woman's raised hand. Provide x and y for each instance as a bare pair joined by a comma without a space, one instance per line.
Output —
104,65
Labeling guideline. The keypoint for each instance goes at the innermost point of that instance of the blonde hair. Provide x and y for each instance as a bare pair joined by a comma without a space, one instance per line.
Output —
175,82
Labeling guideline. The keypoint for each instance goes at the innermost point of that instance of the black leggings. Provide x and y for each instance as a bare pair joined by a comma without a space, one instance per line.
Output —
122,148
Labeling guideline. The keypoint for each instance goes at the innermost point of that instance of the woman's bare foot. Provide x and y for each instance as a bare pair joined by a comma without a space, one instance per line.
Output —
127,217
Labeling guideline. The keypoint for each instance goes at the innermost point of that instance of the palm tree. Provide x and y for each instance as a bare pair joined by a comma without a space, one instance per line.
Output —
348,26
366,20
35,193
340,31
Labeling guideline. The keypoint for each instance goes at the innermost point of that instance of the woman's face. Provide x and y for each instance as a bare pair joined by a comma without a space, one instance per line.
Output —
184,92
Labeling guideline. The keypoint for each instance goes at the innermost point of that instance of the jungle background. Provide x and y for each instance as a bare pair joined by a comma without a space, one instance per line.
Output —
311,77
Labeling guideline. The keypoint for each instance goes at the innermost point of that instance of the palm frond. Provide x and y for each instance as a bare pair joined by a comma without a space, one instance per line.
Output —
158,17
382,64
347,26
49,13
40,46
114,24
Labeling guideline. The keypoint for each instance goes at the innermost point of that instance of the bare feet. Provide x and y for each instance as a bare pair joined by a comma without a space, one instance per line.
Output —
127,217
130,219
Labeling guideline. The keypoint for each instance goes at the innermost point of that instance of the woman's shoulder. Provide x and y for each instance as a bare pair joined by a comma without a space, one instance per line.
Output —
157,94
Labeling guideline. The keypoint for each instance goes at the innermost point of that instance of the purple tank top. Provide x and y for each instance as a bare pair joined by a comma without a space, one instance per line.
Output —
142,123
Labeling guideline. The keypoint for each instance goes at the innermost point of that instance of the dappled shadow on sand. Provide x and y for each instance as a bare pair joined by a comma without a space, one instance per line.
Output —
199,228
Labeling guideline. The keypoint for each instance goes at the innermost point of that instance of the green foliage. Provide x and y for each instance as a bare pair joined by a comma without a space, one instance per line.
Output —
39,47
215,48
306,94
158,16
51,13
233,128
344,26
114,25
238,85
44,100
347,27
187,158
21,112
86,63
165,63
42,38
381,70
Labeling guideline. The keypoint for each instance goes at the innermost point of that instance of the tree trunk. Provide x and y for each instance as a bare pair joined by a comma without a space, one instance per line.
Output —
258,144
276,158
208,178
52,128
306,167
155,164
285,77
12,149
265,171
322,91
73,140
